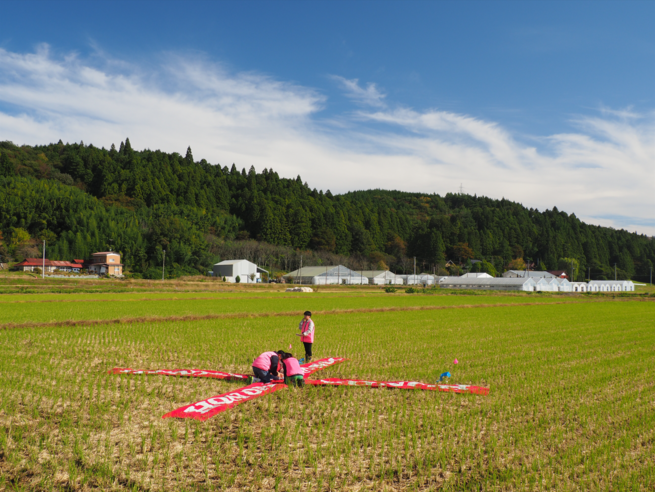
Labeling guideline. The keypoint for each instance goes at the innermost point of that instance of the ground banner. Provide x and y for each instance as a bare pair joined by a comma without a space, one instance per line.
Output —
189,373
312,367
205,409
451,388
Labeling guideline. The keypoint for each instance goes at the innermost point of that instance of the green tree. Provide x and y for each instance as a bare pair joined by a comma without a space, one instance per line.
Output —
6,167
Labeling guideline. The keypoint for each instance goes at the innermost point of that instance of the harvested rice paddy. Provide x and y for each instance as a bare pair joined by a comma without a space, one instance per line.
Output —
571,406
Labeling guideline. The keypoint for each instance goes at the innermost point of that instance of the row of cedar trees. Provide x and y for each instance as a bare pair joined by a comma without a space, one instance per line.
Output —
81,198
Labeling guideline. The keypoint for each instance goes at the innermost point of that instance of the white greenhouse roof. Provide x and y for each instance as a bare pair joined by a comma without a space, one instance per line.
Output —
322,271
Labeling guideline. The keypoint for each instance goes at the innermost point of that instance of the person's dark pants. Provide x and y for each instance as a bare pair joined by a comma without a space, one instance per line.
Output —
308,351
262,375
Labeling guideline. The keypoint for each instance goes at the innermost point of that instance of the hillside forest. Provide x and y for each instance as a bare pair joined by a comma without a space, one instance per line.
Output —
80,199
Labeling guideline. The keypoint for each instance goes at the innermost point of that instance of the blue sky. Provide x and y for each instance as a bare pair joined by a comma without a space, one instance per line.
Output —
546,103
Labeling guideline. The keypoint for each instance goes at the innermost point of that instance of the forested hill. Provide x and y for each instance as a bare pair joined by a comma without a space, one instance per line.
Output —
81,199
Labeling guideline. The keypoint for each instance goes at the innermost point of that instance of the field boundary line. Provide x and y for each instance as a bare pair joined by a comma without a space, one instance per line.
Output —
162,319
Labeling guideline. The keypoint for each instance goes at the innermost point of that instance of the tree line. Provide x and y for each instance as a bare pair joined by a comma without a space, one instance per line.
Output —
81,199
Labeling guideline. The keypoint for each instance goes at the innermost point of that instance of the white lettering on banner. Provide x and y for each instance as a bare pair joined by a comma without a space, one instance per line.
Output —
204,407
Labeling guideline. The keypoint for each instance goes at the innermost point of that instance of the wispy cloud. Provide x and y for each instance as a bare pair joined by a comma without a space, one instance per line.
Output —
369,96
603,172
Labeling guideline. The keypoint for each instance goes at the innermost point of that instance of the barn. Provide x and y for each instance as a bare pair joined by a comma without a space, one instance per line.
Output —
248,272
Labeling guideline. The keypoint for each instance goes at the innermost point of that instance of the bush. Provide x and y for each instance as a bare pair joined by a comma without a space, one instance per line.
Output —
390,290
411,290
238,279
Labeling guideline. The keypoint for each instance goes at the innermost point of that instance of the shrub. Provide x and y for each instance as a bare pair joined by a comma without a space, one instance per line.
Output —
390,290
411,290
238,279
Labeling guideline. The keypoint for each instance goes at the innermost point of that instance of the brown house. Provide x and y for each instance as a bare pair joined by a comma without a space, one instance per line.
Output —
106,263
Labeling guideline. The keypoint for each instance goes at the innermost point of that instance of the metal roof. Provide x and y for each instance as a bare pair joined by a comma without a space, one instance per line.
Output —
531,273
322,271
376,273
487,281
609,281
232,262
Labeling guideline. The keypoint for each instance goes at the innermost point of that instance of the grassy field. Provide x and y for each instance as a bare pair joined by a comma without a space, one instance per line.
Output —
571,407
44,309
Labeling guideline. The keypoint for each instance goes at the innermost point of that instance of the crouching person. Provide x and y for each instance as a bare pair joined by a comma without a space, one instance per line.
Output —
265,367
293,375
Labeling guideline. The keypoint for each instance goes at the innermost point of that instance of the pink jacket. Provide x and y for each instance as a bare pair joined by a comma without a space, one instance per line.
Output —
307,330
263,362
291,367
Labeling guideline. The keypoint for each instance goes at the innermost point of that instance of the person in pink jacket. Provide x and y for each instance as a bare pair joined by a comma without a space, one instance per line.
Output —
306,334
293,375
265,367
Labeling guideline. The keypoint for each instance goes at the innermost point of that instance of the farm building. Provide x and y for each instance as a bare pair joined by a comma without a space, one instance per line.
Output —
527,284
381,277
611,286
326,275
47,266
248,272
557,284
419,279
527,273
579,286
476,275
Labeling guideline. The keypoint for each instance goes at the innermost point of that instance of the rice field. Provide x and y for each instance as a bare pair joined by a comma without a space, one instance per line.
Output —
75,307
571,406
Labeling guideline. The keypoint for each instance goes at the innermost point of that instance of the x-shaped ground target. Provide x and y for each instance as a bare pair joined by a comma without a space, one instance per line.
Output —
205,409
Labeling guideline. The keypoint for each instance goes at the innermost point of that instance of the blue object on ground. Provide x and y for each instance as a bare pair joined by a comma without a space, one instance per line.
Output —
301,360
444,375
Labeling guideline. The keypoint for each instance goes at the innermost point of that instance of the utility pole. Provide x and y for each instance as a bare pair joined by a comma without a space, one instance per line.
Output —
300,269
651,276
589,274
415,269
614,271
43,270
163,266
571,269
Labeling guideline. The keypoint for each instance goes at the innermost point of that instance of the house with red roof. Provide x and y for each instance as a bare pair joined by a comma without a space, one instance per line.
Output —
103,263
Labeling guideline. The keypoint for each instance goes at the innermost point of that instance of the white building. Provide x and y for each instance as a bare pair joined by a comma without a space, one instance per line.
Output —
558,284
326,275
611,286
476,275
579,286
527,284
381,277
418,279
248,272
527,273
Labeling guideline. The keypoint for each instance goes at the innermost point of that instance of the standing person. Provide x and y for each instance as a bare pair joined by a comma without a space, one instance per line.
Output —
306,334
265,367
293,375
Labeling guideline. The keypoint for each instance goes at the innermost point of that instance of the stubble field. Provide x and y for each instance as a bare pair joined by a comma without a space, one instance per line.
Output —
571,406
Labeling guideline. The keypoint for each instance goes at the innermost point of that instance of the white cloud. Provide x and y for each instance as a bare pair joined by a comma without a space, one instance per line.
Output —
369,96
603,172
